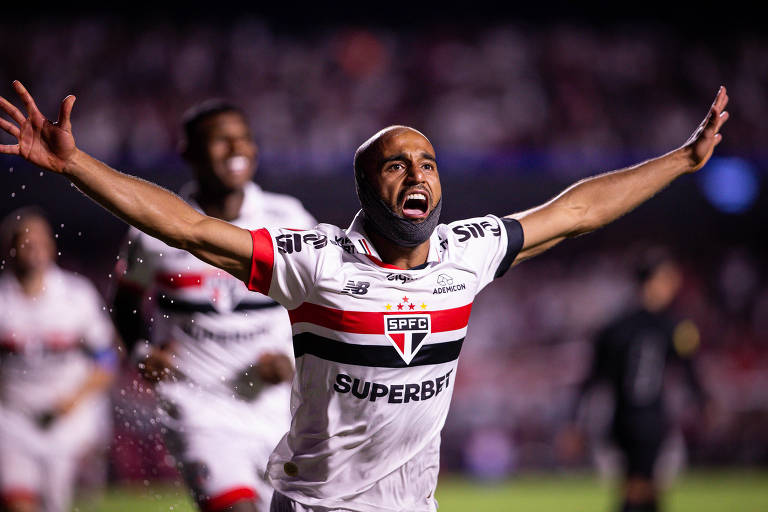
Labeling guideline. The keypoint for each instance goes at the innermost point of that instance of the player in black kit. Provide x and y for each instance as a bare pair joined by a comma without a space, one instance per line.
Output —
631,354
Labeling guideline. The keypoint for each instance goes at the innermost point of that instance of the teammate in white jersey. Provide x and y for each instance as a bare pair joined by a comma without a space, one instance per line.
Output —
223,355
379,310
57,359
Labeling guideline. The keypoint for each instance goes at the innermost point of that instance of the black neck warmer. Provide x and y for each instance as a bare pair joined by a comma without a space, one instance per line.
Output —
380,218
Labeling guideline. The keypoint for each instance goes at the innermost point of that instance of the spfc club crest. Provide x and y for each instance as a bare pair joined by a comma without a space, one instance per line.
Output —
407,333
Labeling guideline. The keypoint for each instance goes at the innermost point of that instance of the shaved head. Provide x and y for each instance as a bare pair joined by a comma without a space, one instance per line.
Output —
366,154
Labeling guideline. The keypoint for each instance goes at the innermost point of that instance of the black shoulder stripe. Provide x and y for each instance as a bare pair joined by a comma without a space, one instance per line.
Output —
381,356
514,244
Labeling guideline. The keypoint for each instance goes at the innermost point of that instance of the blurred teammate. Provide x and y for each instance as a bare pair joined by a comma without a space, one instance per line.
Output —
380,310
222,354
631,354
57,359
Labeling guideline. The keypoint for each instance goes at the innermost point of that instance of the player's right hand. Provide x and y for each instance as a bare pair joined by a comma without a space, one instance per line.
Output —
157,364
47,144
274,368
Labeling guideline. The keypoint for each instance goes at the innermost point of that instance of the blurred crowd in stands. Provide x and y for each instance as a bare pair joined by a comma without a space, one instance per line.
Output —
542,105
576,93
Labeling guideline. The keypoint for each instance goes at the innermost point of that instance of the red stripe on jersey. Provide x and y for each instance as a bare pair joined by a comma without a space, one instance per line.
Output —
262,262
382,264
365,322
19,494
228,498
179,280
56,341
9,344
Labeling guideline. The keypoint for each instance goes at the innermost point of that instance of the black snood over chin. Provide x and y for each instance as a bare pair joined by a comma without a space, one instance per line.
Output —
380,218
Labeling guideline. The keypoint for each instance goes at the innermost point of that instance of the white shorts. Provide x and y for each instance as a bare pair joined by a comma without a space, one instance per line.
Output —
222,444
41,464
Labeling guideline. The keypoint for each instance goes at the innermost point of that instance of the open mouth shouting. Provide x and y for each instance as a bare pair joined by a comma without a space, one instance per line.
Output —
415,204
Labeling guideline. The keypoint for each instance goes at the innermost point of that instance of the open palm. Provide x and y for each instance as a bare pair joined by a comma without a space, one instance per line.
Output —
703,141
46,144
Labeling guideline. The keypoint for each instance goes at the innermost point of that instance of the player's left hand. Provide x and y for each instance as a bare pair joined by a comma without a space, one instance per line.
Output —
703,141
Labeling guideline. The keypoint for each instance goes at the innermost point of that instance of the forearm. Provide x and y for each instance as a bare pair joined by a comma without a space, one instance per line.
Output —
599,200
150,208
163,215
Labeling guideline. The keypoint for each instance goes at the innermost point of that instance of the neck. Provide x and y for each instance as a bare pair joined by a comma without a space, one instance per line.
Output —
32,282
399,256
222,205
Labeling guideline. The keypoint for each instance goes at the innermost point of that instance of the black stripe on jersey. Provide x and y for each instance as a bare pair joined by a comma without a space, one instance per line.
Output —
166,303
372,355
514,244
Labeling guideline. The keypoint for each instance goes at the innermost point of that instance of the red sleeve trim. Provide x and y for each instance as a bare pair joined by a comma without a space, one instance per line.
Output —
228,498
18,494
262,262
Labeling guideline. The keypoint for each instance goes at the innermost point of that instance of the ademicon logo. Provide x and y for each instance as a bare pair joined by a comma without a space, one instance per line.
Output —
407,333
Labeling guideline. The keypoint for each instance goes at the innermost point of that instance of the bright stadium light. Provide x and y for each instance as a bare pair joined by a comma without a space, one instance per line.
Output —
730,184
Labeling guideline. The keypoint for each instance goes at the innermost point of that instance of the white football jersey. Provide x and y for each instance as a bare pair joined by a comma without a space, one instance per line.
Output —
47,342
218,326
376,352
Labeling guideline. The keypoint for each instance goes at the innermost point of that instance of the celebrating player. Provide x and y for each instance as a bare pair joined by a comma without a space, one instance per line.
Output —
223,354
379,311
632,353
57,359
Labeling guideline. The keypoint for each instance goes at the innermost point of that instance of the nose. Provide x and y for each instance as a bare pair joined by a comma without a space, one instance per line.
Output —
416,174
242,146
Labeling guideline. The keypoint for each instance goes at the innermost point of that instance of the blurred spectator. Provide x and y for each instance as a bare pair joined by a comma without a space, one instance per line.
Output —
56,361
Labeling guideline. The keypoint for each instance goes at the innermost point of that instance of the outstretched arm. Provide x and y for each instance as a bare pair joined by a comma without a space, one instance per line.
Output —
596,201
150,208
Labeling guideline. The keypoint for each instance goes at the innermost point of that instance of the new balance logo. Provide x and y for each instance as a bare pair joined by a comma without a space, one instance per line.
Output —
356,288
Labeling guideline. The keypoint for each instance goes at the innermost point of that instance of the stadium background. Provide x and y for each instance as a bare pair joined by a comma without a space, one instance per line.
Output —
518,106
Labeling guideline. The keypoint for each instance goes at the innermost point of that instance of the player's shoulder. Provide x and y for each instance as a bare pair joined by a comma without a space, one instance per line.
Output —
323,237
465,231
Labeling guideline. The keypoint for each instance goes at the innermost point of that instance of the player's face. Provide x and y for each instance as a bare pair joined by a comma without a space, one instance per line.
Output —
33,245
663,285
405,174
227,157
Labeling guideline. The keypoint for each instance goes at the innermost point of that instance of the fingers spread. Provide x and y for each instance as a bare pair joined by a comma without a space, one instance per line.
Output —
26,98
9,127
10,109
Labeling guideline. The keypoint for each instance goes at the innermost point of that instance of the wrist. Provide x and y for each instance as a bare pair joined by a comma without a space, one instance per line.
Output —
685,161
74,164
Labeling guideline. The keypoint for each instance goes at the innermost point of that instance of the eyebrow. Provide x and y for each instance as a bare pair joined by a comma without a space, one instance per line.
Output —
404,157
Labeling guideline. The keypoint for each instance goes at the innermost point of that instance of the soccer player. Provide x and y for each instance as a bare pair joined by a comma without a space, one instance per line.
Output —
222,354
57,360
631,354
379,311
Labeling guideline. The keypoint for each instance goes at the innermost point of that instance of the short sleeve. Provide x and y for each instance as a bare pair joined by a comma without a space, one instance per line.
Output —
284,263
489,244
136,264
